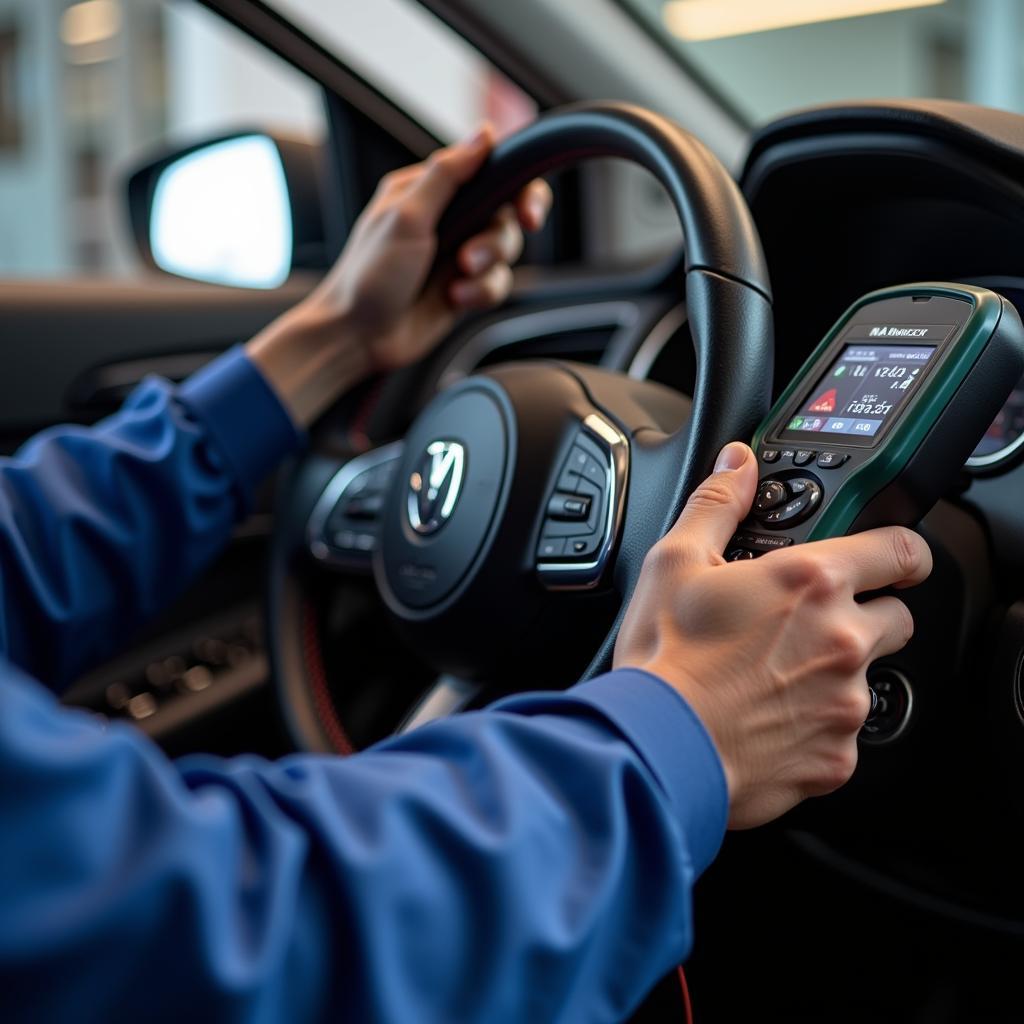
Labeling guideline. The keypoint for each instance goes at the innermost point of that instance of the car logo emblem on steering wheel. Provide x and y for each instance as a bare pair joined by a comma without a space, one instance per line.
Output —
434,486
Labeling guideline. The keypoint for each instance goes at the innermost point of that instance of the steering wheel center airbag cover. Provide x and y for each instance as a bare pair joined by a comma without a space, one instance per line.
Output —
450,483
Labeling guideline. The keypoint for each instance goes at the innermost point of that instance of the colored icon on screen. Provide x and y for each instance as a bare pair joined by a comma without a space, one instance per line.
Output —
840,370
825,402
796,423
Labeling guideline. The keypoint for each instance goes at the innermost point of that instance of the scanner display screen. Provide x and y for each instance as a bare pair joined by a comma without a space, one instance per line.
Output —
864,388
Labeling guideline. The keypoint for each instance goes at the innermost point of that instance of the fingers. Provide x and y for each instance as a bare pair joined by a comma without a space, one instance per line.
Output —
889,557
889,623
716,508
501,243
489,289
447,169
533,204
486,258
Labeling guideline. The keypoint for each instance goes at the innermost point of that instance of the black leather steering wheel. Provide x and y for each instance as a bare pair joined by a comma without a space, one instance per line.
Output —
513,520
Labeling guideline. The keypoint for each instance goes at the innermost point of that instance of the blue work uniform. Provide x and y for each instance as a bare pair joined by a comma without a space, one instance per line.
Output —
530,862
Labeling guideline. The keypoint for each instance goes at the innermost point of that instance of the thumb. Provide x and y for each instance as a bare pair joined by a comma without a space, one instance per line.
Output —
451,167
719,504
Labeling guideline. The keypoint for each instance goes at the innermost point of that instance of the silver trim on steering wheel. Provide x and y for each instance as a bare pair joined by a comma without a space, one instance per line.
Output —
363,543
586,575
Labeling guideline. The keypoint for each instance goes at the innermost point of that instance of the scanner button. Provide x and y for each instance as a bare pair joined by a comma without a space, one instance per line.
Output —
792,509
770,494
759,543
803,456
798,508
770,455
739,555
831,460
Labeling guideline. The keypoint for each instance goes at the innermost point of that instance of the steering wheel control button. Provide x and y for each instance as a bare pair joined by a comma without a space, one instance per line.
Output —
365,506
577,460
551,547
587,514
571,507
583,546
569,481
578,515
891,706
770,494
344,526
770,455
595,472
803,457
831,460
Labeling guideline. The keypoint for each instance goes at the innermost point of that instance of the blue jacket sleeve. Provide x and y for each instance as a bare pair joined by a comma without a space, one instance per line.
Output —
100,527
531,862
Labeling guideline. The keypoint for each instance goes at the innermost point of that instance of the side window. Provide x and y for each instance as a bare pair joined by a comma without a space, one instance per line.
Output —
412,56
86,87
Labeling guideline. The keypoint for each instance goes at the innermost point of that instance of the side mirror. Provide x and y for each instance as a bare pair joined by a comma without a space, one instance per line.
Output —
241,210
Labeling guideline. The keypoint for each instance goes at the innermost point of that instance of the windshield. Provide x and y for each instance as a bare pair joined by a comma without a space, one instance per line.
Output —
765,58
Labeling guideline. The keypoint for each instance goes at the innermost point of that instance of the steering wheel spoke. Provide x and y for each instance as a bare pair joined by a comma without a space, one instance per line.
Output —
344,527
448,696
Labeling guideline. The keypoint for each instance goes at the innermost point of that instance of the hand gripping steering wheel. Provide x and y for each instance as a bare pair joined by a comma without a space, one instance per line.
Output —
508,528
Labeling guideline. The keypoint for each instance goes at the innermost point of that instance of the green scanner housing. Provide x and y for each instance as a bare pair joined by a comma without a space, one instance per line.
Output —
880,420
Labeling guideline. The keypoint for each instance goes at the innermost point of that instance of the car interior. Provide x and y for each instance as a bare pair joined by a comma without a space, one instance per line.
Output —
712,221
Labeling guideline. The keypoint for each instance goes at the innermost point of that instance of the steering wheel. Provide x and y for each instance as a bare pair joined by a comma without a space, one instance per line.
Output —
508,528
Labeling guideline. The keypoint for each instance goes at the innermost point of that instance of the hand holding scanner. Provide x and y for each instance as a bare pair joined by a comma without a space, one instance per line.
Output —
879,421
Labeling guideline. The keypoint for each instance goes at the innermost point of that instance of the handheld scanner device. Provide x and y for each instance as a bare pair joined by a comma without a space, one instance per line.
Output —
879,421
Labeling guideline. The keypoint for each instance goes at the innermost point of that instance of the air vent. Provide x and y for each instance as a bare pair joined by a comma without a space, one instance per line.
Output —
586,345
583,333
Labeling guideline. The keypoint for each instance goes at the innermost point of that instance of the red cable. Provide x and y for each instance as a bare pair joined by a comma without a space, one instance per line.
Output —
684,991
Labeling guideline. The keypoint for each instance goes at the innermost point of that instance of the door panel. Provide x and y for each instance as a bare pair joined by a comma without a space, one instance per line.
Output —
71,349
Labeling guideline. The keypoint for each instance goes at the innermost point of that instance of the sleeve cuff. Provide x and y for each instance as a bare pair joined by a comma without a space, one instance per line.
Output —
675,746
248,424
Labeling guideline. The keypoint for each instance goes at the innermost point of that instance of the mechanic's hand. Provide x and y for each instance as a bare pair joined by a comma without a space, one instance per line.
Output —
770,653
375,310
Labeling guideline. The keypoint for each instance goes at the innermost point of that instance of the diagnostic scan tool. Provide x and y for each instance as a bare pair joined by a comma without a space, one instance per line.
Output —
878,423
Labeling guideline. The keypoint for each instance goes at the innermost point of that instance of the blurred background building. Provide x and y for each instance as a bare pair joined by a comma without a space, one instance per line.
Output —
85,87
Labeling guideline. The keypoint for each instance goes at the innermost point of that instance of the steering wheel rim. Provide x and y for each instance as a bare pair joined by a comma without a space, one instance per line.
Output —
728,297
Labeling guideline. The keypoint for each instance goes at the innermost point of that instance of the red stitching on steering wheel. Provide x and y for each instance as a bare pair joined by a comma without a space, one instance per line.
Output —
322,701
